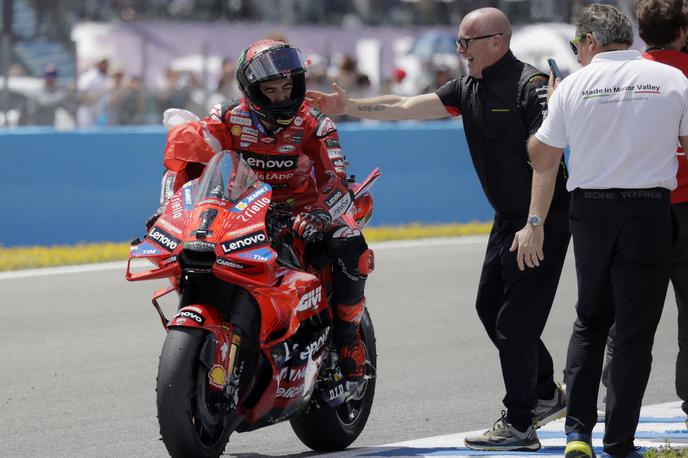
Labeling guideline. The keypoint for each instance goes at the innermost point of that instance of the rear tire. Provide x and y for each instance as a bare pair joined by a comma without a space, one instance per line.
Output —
330,429
189,425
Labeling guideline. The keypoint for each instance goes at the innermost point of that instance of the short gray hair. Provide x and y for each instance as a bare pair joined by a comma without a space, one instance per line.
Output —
607,24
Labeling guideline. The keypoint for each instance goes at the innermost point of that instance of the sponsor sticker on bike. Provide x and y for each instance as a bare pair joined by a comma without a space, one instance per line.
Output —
244,242
243,203
291,375
231,264
217,376
188,197
251,210
315,346
191,315
176,206
291,392
310,300
200,245
259,254
144,249
164,239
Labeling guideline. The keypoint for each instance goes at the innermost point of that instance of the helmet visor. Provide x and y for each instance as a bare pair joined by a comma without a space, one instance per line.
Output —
277,63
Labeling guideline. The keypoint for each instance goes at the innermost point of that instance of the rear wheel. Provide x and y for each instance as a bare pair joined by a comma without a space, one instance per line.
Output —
193,419
328,429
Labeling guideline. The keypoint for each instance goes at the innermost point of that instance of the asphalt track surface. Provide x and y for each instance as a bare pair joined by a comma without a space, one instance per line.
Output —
80,352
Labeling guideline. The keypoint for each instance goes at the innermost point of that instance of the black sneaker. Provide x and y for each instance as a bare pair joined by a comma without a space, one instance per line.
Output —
504,437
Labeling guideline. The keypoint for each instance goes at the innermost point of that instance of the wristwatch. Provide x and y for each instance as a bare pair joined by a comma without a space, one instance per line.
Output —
535,220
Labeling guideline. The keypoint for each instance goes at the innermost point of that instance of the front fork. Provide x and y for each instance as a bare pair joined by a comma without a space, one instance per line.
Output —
219,356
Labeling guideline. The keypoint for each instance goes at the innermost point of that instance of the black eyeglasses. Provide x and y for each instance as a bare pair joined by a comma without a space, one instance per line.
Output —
463,42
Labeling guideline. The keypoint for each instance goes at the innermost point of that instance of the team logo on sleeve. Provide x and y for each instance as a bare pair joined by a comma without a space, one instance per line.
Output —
325,127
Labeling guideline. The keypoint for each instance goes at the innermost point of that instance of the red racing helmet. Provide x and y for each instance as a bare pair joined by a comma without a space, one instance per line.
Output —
268,60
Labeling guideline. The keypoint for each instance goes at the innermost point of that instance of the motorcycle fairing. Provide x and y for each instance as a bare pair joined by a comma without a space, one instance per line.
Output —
279,318
295,364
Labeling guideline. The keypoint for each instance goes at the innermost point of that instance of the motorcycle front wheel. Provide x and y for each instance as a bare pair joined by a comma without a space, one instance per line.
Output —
327,429
192,418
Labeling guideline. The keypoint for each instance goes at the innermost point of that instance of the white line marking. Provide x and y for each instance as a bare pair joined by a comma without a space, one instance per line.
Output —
658,423
103,266
121,265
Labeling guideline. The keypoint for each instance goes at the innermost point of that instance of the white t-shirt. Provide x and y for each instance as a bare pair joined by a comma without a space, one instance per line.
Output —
622,116
92,83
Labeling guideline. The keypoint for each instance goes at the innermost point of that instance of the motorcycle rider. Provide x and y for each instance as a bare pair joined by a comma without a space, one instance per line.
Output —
294,148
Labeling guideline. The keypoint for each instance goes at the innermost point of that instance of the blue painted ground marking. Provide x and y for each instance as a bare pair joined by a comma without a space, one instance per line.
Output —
460,451
659,424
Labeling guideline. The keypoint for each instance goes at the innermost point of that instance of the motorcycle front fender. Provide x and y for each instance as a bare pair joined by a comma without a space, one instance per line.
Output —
196,316
222,353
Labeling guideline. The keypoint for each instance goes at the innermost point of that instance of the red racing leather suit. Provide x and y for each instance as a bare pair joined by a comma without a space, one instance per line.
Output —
303,163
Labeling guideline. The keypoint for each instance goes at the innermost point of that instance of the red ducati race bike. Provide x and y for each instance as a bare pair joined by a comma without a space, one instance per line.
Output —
251,342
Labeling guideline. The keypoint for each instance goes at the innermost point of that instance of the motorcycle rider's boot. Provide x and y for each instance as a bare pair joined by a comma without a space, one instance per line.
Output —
351,349
352,358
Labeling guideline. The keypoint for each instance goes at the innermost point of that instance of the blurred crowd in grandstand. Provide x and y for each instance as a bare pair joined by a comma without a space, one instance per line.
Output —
371,12
105,94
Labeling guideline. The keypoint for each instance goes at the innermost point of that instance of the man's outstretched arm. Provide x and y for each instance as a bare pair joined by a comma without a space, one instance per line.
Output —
381,108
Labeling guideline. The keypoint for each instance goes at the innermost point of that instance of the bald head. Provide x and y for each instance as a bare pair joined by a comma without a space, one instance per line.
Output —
486,21
484,36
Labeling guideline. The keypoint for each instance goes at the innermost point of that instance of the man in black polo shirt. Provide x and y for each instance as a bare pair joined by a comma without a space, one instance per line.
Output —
502,101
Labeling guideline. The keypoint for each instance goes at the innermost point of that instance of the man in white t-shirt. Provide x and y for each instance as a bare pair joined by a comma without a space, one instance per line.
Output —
622,117
93,88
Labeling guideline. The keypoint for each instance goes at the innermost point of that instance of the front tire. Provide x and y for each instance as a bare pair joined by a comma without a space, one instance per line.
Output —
191,421
328,429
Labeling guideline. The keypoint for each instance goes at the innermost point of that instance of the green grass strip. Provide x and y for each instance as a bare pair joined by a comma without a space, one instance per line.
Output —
30,257
666,451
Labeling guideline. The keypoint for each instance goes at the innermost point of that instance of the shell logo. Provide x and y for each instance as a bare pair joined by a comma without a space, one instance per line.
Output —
236,130
217,376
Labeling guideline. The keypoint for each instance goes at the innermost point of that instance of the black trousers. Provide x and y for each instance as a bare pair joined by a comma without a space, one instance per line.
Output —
622,242
514,306
679,280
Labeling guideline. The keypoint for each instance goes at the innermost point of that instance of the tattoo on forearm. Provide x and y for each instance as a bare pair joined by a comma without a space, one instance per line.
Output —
371,108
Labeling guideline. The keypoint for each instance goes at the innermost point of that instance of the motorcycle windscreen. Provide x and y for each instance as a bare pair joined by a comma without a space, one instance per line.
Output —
227,177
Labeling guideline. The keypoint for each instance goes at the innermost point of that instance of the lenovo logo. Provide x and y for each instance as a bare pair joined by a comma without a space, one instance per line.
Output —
247,241
163,239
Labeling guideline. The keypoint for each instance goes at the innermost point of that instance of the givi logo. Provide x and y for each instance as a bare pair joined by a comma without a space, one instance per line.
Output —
310,300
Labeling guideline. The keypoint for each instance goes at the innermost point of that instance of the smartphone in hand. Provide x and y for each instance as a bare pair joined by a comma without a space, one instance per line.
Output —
555,68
